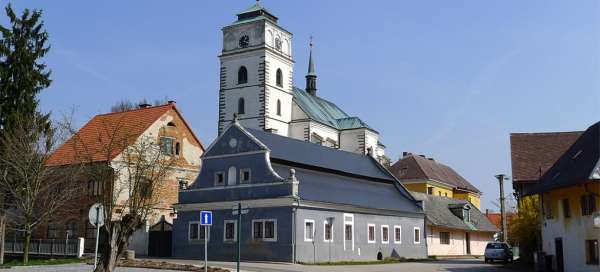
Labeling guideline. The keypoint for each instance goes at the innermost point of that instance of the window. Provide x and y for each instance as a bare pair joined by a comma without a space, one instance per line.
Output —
446,194
279,78
265,230
397,235
385,234
440,193
241,106
430,190
230,232
94,188
244,175
566,207
348,232
417,236
196,232
231,176
145,187
327,231
591,252
316,139
219,178
278,107
588,205
166,145
467,215
51,231
548,209
242,75
71,228
90,231
309,230
445,238
371,233
177,148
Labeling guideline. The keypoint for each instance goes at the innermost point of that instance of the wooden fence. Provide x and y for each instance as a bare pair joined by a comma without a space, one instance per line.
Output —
47,247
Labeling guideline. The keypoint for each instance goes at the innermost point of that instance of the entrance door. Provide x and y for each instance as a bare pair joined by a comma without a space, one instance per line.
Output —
159,239
558,247
468,242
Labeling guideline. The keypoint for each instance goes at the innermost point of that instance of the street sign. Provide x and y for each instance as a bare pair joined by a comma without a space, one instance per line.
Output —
96,215
234,209
206,218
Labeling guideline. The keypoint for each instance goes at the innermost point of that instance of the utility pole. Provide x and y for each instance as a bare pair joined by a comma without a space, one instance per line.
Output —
501,178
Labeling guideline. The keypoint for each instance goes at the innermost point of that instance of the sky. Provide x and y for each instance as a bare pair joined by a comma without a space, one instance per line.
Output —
447,79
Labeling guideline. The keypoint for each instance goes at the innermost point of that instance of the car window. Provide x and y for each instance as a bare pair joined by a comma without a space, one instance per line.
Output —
494,246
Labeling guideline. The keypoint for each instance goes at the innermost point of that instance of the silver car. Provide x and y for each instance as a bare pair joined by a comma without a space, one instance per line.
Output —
498,251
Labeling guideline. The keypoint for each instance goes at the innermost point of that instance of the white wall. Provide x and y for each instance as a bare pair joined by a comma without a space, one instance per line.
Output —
349,140
457,246
574,232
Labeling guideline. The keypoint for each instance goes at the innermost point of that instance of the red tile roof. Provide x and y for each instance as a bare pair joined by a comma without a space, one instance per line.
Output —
105,136
532,154
419,167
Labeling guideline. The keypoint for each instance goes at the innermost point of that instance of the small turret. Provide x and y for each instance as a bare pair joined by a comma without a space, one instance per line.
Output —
311,76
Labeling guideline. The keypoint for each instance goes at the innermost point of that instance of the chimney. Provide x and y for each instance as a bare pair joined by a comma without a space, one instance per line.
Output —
171,101
144,105
404,154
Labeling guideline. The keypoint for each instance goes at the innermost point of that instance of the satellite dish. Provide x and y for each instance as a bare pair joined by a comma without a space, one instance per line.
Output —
96,215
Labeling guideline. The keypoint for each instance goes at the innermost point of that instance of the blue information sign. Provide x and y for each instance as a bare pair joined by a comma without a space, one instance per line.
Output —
206,218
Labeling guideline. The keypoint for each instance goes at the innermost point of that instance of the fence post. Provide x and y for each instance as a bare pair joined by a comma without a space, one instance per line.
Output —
51,247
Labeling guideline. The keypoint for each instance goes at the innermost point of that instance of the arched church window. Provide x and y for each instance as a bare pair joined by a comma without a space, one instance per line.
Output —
231,176
242,75
279,78
278,107
241,106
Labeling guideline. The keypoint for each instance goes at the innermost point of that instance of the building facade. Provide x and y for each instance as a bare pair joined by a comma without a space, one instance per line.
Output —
306,203
455,227
163,124
570,196
256,84
425,175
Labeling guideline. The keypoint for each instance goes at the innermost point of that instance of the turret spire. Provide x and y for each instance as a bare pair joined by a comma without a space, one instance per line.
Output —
311,76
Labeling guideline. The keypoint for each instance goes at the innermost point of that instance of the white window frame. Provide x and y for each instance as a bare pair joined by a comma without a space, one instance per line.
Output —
225,222
351,223
232,179
307,239
274,239
397,241
415,236
449,237
242,181
325,223
369,241
216,179
388,234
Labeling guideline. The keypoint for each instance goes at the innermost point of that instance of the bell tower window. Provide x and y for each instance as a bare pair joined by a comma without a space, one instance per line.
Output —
279,78
278,107
242,75
241,106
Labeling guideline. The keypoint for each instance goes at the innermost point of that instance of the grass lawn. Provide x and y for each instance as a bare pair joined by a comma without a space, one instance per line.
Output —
41,261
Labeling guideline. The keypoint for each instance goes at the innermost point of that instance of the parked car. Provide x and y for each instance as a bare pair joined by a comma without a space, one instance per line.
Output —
498,251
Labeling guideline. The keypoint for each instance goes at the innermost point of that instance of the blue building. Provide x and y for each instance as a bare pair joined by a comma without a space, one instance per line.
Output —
306,203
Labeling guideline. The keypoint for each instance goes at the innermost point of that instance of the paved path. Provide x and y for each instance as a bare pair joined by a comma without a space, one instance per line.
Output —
75,268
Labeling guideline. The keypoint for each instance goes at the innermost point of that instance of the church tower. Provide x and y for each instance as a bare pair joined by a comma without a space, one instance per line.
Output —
256,72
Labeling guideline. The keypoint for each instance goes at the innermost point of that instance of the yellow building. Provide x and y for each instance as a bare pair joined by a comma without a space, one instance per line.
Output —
425,175
570,197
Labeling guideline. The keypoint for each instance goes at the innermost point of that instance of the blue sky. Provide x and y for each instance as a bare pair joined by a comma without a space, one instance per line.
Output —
448,79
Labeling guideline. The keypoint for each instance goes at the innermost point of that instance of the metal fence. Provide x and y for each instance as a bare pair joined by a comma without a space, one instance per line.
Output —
47,247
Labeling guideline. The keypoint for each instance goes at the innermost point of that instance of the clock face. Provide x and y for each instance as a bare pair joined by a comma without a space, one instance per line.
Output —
244,41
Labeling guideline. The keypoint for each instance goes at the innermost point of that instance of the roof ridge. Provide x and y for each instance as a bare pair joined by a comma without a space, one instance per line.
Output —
134,110
545,133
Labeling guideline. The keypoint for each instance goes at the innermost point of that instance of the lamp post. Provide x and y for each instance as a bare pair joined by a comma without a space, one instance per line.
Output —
501,178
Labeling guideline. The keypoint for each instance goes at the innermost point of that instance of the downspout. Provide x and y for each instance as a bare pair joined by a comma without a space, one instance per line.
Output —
294,219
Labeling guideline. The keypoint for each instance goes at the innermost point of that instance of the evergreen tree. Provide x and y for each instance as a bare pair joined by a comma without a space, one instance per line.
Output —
23,75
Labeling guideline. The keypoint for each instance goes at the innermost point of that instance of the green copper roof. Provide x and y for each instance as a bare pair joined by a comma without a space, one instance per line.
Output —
311,65
326,112
253,8
253,13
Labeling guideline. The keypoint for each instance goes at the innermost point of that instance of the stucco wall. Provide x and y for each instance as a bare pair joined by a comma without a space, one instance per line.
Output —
457,246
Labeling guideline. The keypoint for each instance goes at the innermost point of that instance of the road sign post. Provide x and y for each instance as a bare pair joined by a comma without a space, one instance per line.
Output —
206,222
238,210
96,217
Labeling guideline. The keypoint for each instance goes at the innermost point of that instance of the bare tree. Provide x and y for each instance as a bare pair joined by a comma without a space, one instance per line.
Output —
127,105
132,171
34,191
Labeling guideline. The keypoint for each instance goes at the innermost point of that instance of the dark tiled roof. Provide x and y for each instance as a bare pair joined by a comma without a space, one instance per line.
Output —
534,153
309,154
579,164
438,213
418,167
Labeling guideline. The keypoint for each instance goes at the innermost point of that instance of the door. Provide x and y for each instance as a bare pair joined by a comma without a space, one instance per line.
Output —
558,247
468,242
159,239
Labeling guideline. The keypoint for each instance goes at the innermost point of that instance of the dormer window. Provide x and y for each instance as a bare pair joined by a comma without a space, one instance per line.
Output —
170,124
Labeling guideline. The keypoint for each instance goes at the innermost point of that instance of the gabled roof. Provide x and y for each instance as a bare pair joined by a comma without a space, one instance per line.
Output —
438,213
532,154
326,112
304,153
412,167
578,165
104,136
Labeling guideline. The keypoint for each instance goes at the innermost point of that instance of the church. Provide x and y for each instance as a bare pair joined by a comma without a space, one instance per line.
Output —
256,84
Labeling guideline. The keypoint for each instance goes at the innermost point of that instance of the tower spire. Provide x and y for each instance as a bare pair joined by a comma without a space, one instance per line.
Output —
311,76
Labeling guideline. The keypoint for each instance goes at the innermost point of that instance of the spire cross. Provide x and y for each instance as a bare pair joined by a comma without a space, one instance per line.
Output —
311,41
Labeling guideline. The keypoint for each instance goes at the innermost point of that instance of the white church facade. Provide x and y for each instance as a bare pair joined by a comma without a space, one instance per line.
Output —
256,85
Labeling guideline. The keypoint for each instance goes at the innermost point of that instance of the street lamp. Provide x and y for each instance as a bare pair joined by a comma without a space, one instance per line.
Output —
501,178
